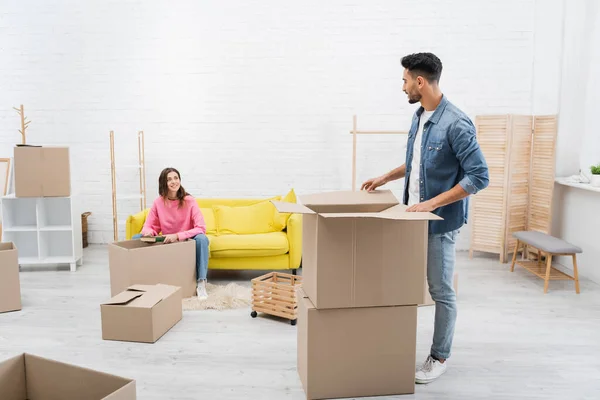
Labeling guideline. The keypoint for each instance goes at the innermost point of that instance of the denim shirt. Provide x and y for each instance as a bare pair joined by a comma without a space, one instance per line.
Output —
450,155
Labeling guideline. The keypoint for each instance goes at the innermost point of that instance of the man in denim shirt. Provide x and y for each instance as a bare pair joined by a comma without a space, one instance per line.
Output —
444,165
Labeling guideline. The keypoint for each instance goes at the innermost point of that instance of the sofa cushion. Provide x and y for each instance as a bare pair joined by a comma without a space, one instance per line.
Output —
245,220
231,202
280,218
209,218
255,245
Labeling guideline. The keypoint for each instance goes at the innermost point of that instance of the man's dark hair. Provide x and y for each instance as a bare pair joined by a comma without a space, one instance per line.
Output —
425,64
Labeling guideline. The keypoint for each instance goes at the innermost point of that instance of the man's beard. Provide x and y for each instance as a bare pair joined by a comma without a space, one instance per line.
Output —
412,99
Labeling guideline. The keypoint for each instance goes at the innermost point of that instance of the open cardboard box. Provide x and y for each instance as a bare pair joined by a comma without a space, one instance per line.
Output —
10,284
134,262
361,249
29,377
142,313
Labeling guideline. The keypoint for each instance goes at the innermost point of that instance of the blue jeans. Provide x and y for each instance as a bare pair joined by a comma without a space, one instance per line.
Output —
202,254
440,270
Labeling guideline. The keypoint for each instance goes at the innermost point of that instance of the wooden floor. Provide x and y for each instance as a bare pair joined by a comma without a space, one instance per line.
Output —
511,342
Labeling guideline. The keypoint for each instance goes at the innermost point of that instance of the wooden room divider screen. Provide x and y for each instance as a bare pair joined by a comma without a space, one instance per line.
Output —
519,150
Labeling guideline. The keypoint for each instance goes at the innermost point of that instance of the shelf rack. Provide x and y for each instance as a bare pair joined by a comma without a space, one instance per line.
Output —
141,167
45,230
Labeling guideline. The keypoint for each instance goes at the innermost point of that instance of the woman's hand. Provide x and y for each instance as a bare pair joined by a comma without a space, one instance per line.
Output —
172,238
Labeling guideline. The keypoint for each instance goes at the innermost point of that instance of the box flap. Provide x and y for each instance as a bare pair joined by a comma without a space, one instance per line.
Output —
12,379
398,216
350,201
124,297
411,216
286,207
149,299
6,246
142,296
350,197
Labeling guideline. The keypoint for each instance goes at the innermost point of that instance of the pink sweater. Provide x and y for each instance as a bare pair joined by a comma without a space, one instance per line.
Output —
166,218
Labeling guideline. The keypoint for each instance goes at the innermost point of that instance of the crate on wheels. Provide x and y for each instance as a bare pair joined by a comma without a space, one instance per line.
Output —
275,294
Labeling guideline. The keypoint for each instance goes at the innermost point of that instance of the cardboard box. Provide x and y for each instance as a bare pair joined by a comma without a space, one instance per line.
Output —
361,249
10,284
356,352
31,377
428,300
42,171
142,313
135,262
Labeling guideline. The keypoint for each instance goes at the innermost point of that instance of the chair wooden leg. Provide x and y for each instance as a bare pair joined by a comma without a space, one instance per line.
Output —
539,257
575,274
512,267
548,267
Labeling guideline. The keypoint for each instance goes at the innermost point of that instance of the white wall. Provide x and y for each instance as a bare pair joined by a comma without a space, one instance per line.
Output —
241,95
575,211
575,90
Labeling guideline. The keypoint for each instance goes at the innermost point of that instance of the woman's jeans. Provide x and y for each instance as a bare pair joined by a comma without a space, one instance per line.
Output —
202,254
440,270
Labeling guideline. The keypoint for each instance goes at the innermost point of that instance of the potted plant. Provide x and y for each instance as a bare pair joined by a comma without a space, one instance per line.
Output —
595,181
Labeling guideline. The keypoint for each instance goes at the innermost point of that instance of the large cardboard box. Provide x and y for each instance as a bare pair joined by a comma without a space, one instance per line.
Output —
10,284
361,249
428,300
142,313
356,352
31,377
135,262
42,171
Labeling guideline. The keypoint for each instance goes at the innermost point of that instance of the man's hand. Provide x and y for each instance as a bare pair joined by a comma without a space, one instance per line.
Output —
373,184
426,206
172,238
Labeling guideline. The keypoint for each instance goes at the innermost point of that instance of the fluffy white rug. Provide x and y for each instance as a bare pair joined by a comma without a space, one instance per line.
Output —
225,297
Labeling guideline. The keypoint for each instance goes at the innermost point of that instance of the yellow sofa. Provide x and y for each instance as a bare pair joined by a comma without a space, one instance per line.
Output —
245,233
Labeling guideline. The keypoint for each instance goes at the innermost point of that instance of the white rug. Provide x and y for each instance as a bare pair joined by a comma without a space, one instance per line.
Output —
225,297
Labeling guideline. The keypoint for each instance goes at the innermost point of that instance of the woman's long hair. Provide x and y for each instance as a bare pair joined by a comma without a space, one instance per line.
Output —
163,187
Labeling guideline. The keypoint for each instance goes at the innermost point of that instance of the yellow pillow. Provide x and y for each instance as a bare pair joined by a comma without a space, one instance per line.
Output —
245,220
209,218
231,202
280,218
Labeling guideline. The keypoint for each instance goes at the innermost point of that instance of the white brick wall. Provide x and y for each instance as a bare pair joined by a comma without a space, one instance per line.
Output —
246,98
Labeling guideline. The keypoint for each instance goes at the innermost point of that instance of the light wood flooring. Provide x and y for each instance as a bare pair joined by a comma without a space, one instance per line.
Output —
511,342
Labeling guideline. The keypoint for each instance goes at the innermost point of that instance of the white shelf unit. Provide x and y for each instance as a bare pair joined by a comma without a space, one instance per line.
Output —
45,230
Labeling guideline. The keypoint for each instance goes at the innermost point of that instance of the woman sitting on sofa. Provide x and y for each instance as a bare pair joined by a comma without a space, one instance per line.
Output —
176,215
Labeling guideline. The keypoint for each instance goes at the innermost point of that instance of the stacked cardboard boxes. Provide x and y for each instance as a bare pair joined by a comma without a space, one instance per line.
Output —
364,270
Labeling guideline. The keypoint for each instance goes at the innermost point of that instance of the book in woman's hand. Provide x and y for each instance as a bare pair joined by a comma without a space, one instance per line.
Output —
152,239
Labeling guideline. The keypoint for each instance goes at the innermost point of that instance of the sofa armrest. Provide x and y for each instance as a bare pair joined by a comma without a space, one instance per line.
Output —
294,234
135,223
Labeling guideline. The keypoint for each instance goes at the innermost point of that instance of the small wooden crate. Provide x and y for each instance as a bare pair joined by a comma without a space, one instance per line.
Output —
275,294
